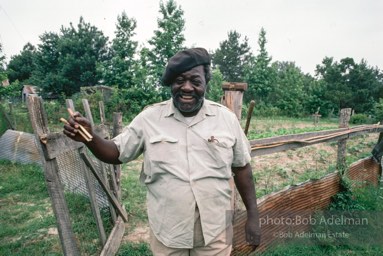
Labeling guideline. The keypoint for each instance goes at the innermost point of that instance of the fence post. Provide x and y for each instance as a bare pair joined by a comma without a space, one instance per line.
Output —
12,116
39,122
69,104
233,95
249,115
88,112
344,118
232,99
102,132
117,128
102,111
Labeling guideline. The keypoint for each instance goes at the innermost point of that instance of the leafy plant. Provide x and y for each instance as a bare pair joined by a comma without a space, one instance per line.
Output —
378,110
360,119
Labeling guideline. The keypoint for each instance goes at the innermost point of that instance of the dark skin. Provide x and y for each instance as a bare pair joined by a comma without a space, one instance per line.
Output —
187,91
243,178
103,149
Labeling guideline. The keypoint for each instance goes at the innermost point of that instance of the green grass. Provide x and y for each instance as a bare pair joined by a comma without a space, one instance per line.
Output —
129,249
133,192
278,126
134,200
25,212
84,225
257,134
27,219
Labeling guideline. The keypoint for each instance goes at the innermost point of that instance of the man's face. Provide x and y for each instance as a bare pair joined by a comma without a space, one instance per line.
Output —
188,90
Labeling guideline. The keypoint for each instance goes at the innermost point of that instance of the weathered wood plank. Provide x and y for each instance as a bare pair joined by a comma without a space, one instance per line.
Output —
344,119
294,137
288,142
234,86
117,128
101,181
249,115
233,100
93,204
104,173
102,111
56,144
37,115
39,122
112,245
88,112
69,104
60,209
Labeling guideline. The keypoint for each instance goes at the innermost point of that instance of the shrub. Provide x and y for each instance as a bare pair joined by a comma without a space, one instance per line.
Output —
360,119
378,110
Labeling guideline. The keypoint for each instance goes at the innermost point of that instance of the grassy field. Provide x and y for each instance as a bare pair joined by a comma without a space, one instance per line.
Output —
28,225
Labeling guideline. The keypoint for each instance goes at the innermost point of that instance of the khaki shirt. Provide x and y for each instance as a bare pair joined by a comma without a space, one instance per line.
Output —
186,165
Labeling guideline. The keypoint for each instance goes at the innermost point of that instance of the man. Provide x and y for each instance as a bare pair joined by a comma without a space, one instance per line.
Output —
192,147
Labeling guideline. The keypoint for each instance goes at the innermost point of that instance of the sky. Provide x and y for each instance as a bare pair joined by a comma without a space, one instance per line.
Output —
302,31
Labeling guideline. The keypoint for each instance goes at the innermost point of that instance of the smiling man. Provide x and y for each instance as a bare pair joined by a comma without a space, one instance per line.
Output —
192,147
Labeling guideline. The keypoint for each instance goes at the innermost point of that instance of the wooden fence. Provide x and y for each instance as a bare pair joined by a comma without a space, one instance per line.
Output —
299,201
101,182
310,196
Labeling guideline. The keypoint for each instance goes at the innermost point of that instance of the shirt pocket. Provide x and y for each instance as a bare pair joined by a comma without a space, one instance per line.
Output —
221,148
161,154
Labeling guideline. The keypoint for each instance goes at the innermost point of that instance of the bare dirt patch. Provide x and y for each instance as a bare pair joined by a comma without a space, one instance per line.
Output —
274,171
141,233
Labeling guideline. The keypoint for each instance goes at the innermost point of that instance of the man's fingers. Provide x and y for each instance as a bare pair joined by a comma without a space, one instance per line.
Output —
253,241
68,133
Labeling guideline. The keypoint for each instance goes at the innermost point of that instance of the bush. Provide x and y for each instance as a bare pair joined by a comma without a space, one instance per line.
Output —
131,101
378,110
264,110
360,119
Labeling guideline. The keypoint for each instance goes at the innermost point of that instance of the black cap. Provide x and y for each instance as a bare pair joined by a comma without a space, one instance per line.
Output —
183,61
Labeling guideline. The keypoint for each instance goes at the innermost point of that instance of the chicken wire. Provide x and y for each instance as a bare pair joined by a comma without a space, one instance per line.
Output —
19,147
71,169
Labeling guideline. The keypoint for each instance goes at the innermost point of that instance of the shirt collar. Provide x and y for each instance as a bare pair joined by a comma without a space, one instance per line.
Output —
206,110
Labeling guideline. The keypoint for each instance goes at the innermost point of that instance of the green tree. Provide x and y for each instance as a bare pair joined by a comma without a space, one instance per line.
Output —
119,69
46,72
288,94
349,84
214,89
366,83
67,61
232,56
168,39
334,78
260,75
378,110
11,92
3,74
21,66
315,91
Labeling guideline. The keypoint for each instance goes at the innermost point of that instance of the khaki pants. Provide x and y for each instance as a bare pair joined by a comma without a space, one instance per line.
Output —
220,246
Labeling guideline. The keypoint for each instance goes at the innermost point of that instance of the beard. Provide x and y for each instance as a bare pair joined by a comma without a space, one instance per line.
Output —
188,108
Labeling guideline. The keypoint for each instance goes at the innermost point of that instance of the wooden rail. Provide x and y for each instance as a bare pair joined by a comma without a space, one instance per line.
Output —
286,142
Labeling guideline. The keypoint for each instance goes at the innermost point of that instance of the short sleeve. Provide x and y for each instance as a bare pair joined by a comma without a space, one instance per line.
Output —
130,142
241,148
